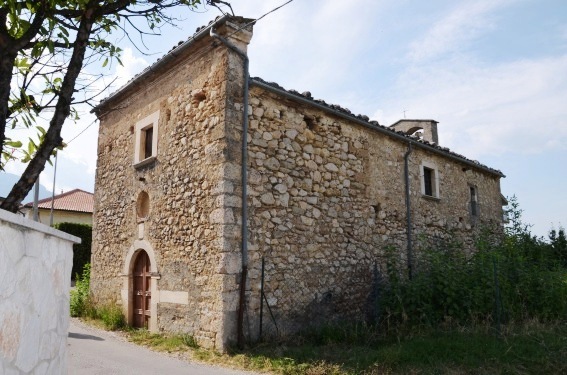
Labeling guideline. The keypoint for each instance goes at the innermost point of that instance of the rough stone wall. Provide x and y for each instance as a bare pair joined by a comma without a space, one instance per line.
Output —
35,272
194,204
327,196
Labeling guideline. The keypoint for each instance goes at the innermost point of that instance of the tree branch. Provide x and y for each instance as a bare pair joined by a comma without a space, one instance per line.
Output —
3,18
34,27
89,22
62,109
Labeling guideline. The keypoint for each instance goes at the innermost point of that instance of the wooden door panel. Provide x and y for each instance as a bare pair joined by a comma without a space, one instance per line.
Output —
141,290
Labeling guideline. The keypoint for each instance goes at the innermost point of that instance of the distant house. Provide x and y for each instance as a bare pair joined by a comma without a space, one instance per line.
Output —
74,206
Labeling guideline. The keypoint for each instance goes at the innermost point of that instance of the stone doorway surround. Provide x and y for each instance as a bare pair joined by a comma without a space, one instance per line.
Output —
128,283
158,296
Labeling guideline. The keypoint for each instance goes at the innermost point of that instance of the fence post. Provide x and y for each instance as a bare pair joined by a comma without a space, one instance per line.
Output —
261,301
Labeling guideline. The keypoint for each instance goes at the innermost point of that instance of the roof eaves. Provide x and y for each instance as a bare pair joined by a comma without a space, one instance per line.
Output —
48,199
58,197
64,209
174,52
412,120
363,120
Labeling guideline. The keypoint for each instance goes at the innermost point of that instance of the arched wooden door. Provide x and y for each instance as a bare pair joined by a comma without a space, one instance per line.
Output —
142,294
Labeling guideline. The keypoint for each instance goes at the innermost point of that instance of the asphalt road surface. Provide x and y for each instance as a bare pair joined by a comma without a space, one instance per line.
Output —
97,352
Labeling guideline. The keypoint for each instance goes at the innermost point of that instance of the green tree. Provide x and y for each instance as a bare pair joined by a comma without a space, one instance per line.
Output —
44,47
558,242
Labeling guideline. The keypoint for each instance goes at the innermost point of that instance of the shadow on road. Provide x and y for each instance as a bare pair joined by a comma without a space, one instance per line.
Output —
80,336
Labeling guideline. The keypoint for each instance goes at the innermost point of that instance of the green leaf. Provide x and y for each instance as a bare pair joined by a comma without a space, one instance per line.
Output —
32,147
64,31
15,144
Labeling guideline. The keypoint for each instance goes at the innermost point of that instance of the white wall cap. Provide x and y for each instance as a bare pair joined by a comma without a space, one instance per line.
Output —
19,220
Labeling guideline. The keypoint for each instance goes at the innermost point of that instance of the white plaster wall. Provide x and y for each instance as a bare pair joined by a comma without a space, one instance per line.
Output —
35,274
60,216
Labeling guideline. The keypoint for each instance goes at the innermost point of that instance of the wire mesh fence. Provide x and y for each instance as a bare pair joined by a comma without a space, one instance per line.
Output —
512,280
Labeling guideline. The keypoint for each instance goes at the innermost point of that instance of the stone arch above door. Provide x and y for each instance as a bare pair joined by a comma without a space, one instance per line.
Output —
131,255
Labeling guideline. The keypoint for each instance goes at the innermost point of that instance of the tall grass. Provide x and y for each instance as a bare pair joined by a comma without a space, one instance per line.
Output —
82,304
517,279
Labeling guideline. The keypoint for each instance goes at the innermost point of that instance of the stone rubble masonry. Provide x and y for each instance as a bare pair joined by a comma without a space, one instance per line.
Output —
325,197
35,280
193,226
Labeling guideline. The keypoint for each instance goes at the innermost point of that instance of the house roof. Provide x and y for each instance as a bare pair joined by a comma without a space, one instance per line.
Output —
175,51
74,200
364,120
305,97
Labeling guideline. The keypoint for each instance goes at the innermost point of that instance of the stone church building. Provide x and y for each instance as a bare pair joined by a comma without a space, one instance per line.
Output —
326,191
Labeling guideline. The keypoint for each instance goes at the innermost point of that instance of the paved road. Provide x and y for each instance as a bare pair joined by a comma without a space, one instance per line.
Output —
97,352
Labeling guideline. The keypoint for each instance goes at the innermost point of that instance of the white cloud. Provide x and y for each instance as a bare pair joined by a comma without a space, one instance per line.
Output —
131,65
314,45
72,174
386,56
464,23
511,107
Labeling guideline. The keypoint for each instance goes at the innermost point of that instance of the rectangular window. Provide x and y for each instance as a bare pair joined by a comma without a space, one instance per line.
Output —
146,132
148,141
429,180
474,201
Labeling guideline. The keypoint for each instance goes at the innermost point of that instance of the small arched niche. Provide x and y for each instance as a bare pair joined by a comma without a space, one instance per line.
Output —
143,205
416,131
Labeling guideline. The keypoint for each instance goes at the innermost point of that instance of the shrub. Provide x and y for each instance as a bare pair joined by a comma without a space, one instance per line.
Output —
82,251
519,279
80,296
82,305
558,242
111,316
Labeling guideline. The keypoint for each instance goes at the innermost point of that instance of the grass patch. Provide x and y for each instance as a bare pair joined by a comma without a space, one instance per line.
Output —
162,342
542,351
111,316
530,349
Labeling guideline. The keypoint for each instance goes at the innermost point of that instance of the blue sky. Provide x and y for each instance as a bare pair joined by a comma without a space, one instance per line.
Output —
493,73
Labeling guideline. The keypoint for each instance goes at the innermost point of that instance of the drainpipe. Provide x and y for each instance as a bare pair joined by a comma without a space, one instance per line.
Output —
244,229
408,211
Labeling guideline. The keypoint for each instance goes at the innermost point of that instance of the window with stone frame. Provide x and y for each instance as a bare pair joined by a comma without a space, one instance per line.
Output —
146,133
429,180
473,203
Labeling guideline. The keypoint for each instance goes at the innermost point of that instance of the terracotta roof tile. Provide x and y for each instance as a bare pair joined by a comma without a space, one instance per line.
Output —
74,200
